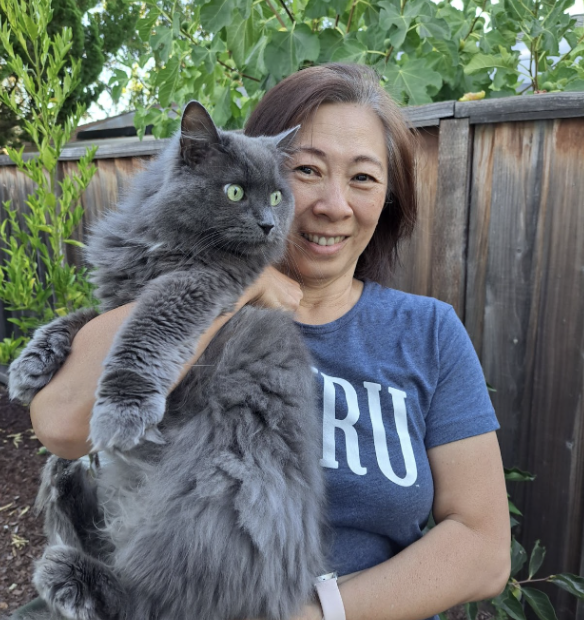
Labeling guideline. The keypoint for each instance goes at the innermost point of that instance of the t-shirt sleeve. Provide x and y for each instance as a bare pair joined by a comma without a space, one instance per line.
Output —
461,406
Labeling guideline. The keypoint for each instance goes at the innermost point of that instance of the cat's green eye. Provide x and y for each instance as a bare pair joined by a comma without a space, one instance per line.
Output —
276,198
234,192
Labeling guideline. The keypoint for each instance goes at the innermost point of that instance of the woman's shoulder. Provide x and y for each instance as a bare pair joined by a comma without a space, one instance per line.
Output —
390,300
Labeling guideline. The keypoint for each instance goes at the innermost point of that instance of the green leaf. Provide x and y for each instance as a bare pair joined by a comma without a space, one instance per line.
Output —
536,559
166,81
471,609
510,605
518,557
513,508
390,17
316,9
161,42
540,603
431,27
488,61
241,37
517,475
574,584
351,50
287,49
145,24
222,108
410,81
330,39
216,14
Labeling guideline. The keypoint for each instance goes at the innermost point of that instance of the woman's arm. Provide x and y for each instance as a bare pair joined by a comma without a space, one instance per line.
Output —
464,558
61,411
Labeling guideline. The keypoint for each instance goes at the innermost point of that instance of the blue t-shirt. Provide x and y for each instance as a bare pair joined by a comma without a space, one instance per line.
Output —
397,375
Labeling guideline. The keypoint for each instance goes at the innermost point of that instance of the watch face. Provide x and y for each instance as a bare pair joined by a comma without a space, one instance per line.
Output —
326,577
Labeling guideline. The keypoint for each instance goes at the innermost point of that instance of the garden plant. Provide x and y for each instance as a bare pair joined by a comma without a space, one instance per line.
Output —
227,53
36,281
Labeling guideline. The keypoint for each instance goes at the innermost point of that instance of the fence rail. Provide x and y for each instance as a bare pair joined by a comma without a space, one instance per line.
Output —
501,238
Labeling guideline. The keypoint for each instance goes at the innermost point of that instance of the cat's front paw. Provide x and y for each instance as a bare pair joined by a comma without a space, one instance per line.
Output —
123,419
44,355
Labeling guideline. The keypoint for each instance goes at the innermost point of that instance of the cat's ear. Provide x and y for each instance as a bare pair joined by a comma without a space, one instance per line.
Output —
285,139
197,130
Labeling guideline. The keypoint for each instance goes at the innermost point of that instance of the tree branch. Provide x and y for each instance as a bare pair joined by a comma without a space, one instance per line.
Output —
273,9
351,15
474,23
287,11
249,77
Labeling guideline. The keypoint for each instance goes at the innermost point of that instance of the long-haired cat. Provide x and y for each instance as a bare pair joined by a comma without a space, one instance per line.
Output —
211,505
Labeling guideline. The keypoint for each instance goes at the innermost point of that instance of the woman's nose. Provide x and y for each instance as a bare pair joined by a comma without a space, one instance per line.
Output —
333,201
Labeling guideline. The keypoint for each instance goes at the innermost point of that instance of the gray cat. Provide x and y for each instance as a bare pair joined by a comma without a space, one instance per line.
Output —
211,507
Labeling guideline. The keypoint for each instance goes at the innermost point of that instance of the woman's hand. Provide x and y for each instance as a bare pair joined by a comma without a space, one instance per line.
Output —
274,290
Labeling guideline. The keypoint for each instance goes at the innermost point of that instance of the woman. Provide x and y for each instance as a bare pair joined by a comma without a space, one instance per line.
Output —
407,423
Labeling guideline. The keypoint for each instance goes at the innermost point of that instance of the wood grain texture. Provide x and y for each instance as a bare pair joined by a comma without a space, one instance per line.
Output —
414,272
430,114
111,179
525,108
525,314
450,224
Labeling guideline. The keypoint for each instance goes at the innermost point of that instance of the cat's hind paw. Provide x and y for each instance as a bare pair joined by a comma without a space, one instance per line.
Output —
76,586
123,423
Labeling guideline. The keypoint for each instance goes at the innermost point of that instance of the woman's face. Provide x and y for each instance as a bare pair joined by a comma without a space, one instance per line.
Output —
339,181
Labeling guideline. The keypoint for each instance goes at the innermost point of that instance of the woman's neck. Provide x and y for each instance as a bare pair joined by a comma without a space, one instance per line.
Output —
324,303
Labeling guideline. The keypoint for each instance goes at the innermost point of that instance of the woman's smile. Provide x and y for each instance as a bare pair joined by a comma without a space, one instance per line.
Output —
338,173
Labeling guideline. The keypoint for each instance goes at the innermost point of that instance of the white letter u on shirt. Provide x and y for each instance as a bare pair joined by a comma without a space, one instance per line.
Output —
380,439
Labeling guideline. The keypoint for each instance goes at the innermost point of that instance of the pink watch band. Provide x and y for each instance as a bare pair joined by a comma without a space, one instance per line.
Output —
330,597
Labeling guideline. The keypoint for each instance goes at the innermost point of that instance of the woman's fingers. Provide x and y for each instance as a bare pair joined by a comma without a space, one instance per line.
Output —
275,290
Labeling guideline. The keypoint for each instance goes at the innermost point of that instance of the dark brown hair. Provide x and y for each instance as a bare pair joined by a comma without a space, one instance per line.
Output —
296,98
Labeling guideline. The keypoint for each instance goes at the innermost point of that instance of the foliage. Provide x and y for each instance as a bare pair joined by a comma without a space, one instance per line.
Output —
36,283
96,36
518,594
227,53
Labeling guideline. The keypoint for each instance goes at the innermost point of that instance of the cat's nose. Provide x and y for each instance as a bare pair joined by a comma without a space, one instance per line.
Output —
266,228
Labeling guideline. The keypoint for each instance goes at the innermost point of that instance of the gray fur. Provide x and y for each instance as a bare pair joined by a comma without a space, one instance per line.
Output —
211,508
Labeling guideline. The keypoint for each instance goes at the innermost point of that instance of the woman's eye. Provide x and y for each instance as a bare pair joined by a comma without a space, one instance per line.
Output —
234,192
363,177
305,170
275,198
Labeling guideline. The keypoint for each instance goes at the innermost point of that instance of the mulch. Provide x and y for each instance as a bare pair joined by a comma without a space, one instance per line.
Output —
21,530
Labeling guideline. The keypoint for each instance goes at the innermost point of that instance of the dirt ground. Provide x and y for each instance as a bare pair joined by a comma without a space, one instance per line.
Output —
21,533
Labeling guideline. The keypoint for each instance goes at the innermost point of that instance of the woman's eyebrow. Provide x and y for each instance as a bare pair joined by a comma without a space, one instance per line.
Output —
368,159
312,150
356,160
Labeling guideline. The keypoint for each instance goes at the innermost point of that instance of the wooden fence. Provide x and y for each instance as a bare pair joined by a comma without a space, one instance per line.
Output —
501,238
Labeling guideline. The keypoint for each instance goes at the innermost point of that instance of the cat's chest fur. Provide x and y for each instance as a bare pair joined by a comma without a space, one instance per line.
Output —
130,266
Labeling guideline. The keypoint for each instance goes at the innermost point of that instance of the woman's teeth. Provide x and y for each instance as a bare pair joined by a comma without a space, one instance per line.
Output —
322,240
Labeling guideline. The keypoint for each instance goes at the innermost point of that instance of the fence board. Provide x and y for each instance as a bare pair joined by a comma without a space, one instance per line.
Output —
450,224
525,310
552,445
414,273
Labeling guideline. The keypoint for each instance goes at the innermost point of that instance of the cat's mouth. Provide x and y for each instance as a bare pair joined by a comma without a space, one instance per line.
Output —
320,240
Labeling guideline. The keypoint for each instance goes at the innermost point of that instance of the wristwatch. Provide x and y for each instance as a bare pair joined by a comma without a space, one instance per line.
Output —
330,598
